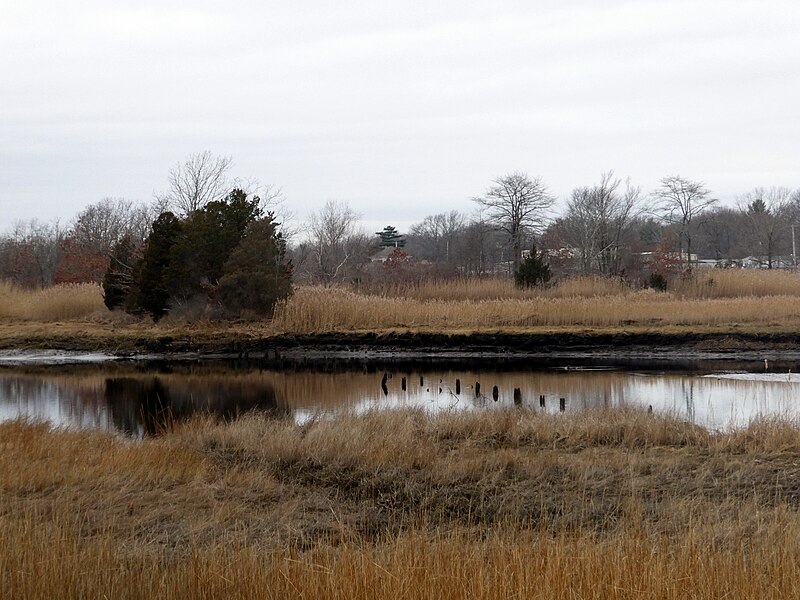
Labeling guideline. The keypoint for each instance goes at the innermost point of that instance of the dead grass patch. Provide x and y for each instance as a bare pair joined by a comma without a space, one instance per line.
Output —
56,303
603,504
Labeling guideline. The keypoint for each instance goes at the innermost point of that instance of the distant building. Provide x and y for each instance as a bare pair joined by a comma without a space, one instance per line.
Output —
384,254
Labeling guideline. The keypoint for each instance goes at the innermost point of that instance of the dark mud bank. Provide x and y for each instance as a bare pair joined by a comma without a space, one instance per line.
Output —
499,344
496,344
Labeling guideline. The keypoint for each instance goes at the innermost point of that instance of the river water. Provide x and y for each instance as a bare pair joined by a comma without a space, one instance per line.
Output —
141,397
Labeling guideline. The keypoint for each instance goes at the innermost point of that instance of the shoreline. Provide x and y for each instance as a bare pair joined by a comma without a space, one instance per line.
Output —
257,341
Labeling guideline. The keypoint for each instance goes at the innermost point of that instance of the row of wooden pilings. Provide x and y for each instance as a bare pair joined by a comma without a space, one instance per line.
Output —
562,402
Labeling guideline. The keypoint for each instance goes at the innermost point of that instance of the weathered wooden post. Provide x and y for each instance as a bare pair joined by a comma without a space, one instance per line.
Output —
458,386
517,396
541,400
495,393
403,384
477,388
562,404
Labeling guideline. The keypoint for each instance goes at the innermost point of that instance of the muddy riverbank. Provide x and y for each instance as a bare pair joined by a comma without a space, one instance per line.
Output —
246,340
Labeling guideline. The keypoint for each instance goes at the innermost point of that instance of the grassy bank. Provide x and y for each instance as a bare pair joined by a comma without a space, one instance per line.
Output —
508,504
712,298
732,306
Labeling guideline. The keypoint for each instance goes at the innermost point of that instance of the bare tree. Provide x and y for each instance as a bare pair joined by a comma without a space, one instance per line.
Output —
516,205
30,254
481,248
271,200
722,234
201,178
597,219
435,237
335,243
680,201
764,209
102,224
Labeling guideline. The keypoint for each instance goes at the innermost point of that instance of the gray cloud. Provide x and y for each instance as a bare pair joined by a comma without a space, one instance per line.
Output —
399,110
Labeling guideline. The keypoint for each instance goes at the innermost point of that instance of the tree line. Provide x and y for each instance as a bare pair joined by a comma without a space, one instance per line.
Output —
608,227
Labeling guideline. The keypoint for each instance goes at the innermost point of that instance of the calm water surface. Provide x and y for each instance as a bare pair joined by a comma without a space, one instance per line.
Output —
139,398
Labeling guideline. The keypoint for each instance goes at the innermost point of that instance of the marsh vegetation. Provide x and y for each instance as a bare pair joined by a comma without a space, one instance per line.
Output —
712,298
604,504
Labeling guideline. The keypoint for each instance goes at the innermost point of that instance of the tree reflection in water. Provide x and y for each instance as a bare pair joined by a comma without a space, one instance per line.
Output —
148,406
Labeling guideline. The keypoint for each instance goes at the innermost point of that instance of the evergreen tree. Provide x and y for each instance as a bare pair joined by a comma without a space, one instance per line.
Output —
208,237
256,274
389,238
149,292
533,270
224,251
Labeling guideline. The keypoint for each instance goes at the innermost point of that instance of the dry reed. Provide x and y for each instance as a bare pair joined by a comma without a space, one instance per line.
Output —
314,309
56,303
739,283
713,298
608,504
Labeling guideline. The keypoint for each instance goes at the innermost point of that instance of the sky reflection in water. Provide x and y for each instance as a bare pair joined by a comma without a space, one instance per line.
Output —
142,401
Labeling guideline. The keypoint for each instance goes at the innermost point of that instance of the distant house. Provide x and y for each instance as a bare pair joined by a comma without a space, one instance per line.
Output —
384,254
763,262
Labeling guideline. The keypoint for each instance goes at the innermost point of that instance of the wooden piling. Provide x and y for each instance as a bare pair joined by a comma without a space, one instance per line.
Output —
477,388
517,396
458,386
403,384
495,393
562,404
541,400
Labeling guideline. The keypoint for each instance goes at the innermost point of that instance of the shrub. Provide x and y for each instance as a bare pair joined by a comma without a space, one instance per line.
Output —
657,281
533,271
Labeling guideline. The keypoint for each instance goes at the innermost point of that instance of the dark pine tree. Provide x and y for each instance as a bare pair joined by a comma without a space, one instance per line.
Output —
533,270
389,238
208,237
149,292
256,274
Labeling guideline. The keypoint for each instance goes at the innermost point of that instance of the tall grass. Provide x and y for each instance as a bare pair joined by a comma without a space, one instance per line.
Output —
609,504
314,309
496,288
56,303
710,283
713,298
761,564
739,283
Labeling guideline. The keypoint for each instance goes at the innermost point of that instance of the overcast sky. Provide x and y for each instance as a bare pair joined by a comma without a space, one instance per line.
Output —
401,109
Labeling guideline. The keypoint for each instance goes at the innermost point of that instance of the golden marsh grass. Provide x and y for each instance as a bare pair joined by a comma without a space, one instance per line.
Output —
713,298
56,303
608,504
312,310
